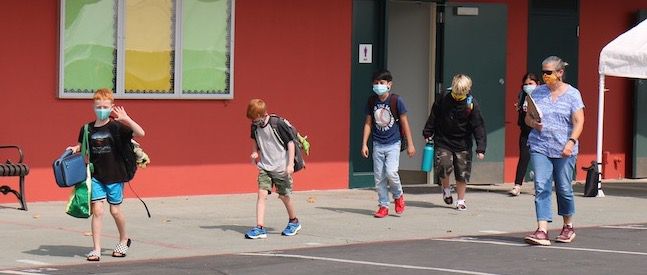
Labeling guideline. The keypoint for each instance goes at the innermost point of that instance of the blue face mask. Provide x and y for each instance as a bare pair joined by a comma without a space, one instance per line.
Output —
380,89
102,114
529,88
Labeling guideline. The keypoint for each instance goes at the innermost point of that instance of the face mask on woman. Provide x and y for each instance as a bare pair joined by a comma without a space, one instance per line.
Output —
529,88
550,78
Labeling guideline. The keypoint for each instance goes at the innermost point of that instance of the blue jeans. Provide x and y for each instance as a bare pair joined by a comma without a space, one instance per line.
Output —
386,163
561,170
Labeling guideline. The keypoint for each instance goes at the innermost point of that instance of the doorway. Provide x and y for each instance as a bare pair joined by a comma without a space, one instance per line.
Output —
411,45
423,44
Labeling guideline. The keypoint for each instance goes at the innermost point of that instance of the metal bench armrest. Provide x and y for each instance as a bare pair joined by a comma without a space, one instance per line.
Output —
17,148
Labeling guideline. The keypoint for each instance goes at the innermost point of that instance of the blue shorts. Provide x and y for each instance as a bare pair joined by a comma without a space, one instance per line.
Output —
113,192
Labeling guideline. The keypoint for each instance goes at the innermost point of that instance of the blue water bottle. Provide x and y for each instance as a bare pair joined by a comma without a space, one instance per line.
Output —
428,157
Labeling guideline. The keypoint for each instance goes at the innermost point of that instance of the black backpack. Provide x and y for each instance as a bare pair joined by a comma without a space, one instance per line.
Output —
592,180
126,149
393,104
284,132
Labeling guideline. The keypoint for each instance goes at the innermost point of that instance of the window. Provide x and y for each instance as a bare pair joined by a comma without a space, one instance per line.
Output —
147,49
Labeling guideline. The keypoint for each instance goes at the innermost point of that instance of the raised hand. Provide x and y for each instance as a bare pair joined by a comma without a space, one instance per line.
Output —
120,113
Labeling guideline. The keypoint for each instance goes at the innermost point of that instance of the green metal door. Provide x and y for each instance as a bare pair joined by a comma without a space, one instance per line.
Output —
553,30
368,29
640,123
475,44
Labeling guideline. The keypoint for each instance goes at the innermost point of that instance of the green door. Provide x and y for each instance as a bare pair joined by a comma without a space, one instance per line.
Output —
640,123
475,44
553,30
368,29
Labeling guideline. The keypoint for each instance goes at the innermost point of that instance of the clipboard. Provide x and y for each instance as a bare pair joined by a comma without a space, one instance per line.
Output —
533,109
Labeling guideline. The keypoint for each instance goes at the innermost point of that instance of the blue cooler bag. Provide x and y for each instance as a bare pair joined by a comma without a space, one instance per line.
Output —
69,169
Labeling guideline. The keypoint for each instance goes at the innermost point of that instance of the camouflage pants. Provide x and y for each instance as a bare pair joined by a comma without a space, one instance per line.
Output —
458,162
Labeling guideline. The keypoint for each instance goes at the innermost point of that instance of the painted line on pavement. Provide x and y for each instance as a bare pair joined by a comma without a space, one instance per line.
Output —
638,227
474,240
366,263
19,272
493,232
32,262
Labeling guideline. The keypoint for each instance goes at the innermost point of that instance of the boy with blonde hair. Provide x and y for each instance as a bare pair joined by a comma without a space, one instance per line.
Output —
453,120
275,162
106,138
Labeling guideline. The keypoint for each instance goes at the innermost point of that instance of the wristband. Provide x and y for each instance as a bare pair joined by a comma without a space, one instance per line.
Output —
573,140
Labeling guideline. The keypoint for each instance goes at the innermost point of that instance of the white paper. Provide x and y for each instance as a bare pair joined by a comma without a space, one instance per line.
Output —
533,109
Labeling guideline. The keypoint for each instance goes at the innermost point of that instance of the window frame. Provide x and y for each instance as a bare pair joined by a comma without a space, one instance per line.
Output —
119,91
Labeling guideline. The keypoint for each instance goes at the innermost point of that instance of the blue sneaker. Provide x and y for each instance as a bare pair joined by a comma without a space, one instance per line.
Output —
291,229
256,233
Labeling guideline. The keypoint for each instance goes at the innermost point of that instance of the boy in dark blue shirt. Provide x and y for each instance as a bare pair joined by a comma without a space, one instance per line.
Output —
386,118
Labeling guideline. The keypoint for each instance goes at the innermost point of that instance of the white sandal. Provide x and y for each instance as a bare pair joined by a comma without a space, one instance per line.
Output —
121,249
93,256
460,206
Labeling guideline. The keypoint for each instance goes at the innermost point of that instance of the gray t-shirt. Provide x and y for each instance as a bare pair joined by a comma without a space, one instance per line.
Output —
274,158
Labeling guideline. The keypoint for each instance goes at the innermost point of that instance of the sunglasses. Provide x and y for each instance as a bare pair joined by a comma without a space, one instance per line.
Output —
547,72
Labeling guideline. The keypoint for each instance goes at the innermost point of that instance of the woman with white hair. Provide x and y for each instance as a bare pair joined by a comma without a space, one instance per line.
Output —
554,146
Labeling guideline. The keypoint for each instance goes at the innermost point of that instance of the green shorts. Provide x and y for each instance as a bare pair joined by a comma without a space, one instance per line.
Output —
281,181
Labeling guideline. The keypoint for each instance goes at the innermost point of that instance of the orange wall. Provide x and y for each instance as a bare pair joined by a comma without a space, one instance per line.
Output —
290,53
599,25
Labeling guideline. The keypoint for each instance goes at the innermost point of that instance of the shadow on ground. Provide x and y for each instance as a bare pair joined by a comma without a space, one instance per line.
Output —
365,212
620,189
237,228
63,251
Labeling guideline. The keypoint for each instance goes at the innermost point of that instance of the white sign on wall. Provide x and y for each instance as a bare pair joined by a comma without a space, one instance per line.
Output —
365,53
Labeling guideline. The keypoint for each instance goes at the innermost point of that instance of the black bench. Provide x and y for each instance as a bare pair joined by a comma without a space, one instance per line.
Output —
11,169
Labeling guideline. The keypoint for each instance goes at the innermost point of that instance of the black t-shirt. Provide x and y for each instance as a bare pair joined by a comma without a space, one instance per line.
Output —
108,163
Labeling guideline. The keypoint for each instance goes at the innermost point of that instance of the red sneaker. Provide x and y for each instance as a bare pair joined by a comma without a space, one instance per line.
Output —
382,212
538,238
567,235
399,205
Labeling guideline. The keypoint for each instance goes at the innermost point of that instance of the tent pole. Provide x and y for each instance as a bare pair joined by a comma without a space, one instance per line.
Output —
598,157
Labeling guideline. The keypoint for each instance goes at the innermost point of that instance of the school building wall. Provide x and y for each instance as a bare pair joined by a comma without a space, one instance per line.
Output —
599,24
290,53
297,58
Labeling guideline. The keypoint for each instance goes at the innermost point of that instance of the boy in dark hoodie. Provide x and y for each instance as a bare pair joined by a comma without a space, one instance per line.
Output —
453,120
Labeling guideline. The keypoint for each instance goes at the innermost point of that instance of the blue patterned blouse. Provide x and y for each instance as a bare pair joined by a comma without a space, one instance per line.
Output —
557,121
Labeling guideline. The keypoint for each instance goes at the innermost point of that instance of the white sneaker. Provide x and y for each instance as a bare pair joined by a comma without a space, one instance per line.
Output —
516,190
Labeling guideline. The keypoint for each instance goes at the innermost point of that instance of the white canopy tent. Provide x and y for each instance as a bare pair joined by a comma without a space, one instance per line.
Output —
625,56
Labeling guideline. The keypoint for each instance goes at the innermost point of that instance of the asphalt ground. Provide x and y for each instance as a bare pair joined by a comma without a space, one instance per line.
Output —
620,249
340,236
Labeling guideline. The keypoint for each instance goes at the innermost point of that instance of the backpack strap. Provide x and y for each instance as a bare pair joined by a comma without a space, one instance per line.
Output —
393,103
280,129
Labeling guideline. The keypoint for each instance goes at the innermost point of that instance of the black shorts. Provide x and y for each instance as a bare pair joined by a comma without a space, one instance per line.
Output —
458,162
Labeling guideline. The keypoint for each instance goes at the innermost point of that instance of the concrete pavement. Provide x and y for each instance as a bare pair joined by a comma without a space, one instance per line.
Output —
212,225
